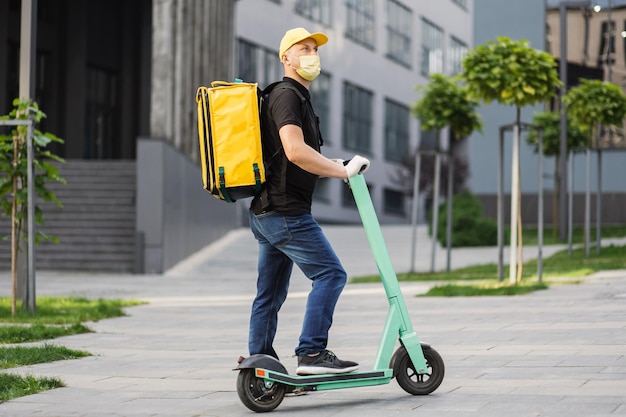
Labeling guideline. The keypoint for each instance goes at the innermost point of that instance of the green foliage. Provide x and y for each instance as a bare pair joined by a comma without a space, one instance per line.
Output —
469,227
15,169
445,103
14,386
550,122
510,72
595,102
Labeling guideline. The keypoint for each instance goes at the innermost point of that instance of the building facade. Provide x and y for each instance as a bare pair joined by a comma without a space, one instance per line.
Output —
117,80
378,52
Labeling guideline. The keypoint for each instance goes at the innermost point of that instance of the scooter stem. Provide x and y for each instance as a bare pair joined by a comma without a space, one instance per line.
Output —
398,320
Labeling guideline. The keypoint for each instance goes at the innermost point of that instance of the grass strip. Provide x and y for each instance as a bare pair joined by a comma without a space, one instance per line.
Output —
66,310
14,356
454,290
38,331
15,386
558,265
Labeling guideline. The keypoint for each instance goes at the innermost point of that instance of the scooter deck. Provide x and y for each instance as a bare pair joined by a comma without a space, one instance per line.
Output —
328,381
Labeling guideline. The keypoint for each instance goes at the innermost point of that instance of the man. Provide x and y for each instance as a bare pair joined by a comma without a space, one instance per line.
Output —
280,218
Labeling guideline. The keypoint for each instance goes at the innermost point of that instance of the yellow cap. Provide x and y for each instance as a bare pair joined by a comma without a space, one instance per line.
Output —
293,36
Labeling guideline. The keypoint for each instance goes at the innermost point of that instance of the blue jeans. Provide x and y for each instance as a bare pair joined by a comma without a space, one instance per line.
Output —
283,241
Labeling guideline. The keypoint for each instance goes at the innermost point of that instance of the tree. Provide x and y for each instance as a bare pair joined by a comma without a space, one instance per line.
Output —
550,124
512,73
593,103
13,184
445,104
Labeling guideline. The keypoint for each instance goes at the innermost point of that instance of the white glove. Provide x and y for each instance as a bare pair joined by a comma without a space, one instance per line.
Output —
356,165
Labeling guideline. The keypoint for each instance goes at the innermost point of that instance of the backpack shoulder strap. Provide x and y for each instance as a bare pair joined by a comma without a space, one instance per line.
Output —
285,86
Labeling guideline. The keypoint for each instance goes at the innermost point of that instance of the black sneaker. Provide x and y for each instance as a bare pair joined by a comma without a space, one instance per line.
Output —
324,362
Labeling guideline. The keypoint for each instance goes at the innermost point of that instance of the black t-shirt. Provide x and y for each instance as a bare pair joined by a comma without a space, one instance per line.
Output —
290,188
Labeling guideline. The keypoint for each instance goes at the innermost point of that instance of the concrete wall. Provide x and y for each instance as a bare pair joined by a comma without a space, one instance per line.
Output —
175,215
192,43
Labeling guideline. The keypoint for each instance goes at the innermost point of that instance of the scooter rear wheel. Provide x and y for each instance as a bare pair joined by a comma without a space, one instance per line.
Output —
258,394
412,381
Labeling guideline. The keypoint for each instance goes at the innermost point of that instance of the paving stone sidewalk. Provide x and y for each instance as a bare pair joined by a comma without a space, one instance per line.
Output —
559,352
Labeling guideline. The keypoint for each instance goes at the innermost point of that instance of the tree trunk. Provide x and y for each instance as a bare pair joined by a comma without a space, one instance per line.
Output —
555,199
515,199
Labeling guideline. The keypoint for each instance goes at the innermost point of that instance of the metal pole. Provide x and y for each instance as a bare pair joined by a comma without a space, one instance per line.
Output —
610,41
28,49
540,210
515,191
599,205
31,219
563,125
570,204
587,199
414,215
500,206
435,218
449,210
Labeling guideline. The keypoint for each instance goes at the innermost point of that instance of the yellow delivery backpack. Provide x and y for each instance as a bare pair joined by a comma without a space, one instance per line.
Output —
229,131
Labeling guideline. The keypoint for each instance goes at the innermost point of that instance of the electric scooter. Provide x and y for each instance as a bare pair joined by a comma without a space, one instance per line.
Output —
263,381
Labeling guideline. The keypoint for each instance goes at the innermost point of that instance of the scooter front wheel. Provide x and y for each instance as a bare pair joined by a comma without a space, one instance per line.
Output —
258,394
412,381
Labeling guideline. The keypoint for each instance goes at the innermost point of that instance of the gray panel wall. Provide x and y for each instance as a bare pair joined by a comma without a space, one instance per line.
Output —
175,215
517,20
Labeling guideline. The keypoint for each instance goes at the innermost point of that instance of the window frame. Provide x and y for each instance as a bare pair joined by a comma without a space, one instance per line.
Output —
396,135
456,53
319,11
320,97
399,33
426,67
358,112
361,22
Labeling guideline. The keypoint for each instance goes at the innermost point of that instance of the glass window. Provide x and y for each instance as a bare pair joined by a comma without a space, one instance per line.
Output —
396,131
361,22
607,44
427,140
432,48
315,10
399,19
393,202
357,119
101,139
456,52
256,64
320,97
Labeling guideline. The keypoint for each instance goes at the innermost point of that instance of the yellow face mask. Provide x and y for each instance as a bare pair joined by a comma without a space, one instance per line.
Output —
310,67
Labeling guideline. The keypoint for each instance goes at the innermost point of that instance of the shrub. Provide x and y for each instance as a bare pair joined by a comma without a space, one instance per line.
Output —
469,226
